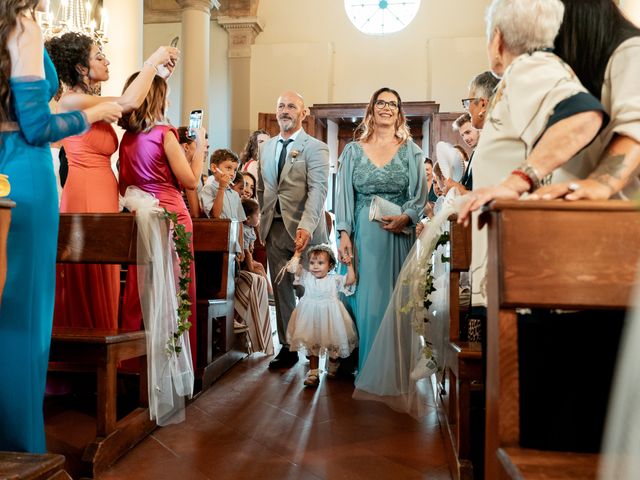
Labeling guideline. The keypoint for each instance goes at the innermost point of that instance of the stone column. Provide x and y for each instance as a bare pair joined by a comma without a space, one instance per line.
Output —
242,33
124,49
194,48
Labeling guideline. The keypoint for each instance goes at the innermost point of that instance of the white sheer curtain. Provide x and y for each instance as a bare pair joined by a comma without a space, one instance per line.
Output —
170,375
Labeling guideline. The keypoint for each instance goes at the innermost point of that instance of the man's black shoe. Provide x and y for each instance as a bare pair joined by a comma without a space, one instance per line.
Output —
284,359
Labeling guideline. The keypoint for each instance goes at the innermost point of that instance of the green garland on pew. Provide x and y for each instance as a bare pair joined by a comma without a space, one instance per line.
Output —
429,288
420,289
182,242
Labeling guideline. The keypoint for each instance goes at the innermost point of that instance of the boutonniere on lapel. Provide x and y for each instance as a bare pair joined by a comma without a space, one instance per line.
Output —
294,154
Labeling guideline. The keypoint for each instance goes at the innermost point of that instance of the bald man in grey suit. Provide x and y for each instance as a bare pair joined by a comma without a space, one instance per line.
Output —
292,188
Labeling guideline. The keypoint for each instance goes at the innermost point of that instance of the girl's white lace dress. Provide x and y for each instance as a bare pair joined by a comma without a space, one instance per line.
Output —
320,323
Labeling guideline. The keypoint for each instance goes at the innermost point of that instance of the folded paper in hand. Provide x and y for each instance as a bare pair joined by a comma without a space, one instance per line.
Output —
384,208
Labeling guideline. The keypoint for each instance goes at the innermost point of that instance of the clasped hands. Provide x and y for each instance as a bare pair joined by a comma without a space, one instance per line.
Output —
302,240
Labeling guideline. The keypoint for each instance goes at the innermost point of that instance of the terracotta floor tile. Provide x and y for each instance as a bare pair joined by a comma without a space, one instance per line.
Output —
259,424
245,459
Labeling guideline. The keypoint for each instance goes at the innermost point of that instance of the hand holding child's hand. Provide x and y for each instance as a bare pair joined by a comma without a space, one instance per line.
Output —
302,239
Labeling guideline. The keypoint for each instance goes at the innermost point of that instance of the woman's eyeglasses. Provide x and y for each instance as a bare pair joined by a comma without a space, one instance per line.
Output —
380,104
466,102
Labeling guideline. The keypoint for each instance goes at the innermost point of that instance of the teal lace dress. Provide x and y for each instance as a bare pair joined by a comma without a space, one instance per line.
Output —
26,313
379,254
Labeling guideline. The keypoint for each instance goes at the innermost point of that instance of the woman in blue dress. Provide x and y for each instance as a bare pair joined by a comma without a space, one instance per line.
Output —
383,162
27,83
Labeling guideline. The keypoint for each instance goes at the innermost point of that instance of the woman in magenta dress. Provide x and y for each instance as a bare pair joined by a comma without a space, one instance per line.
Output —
87,295
152,159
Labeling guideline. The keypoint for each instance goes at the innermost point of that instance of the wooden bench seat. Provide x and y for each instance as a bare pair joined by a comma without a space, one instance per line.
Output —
548,255
213,244
524,463
30,466
76,349
108,238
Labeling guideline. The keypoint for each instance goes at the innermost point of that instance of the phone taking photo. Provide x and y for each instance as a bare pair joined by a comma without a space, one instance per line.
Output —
195,122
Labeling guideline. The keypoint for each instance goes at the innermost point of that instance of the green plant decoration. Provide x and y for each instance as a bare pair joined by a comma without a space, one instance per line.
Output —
182,243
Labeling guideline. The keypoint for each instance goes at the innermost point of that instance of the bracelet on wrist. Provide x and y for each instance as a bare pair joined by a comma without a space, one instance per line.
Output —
530,172
526,178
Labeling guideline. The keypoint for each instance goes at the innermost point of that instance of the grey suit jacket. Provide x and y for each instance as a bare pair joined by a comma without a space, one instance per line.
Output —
302,189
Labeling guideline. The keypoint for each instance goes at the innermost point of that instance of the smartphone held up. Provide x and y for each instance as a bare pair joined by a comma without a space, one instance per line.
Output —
195,122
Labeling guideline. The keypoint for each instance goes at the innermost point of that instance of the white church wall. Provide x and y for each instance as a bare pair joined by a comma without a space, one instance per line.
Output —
430,60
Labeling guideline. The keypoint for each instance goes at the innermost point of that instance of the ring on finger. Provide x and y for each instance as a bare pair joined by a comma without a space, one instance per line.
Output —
573,187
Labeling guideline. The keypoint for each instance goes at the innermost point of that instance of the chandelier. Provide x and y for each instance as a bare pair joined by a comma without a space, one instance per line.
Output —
75,16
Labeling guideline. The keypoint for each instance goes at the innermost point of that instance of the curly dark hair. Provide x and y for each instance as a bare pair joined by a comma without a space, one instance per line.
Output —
9,12
67,52
251,150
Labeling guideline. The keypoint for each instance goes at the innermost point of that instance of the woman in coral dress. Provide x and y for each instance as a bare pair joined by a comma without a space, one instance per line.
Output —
87,295
152,159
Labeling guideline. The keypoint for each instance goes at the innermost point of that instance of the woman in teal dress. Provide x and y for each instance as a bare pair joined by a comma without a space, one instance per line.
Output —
26,128
383,162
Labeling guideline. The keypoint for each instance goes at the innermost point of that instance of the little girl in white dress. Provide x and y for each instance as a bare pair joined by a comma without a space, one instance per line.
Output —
320,323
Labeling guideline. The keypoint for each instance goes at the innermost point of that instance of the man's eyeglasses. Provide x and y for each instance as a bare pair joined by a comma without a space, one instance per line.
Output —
380,104
466,102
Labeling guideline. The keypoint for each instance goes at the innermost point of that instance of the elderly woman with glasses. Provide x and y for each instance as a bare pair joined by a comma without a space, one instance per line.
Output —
481,90
383,162
87,295
539,118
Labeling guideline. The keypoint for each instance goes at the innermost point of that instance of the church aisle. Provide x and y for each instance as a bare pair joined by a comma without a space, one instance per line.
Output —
256,423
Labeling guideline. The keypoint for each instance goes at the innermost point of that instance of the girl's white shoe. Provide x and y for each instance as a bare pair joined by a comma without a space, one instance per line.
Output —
332,368
313,378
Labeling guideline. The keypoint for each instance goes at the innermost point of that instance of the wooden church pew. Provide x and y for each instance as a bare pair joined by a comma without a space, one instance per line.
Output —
108,238
463,363
213,243
580,255
111,239
30,466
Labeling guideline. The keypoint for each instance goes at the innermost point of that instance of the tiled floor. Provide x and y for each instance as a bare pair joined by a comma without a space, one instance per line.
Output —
258,424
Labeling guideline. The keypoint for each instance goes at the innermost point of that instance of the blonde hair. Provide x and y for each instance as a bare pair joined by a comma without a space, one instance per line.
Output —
367,127
152,110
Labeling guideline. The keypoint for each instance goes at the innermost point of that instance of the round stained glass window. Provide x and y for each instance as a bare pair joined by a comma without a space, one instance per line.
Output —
380,17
